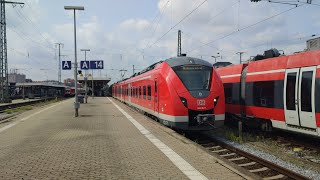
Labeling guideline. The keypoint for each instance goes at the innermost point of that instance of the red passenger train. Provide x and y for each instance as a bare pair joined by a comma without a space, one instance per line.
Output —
280,92
181,92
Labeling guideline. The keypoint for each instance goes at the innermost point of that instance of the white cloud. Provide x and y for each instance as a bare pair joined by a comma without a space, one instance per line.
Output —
135,24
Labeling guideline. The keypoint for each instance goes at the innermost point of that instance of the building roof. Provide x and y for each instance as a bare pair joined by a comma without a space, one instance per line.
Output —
95,79
28,84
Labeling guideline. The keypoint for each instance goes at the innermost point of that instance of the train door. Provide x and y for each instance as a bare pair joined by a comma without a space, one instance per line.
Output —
156,95
299,99
243,92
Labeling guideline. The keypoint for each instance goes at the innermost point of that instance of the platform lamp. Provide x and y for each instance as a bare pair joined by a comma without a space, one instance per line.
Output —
85,75
76,103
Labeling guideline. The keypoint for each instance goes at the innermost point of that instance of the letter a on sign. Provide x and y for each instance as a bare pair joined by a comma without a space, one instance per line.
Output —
66,65
84,64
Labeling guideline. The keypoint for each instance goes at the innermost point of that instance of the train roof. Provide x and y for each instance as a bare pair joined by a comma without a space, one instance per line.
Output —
183,60
172,62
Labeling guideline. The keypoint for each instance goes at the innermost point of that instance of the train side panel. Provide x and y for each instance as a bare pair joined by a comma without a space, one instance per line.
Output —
268,92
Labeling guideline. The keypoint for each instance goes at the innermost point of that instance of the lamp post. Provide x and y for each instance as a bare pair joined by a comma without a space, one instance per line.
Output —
85,76
76,103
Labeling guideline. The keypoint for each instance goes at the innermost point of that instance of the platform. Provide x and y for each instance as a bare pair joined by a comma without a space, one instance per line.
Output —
107,141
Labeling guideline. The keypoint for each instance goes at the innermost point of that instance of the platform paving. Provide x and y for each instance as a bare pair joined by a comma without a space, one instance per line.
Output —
49,143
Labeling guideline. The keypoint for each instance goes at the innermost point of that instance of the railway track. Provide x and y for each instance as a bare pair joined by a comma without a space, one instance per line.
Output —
16,105
256,165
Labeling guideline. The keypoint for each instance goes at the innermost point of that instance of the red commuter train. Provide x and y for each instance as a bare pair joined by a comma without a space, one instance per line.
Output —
280,92
181,92
69,91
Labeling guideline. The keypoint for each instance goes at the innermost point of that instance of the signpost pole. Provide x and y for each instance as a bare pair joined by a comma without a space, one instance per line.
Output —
86,74
92,85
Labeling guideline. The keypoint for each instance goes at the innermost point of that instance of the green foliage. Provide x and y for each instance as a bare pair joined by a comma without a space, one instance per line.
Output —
8,111
231,135
18,109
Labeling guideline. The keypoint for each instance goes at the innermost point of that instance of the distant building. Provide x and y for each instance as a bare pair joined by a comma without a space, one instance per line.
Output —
16,78
69,82
28,80
221,64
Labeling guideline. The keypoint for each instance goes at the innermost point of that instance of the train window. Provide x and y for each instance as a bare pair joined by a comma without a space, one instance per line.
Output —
232,93
263,93
194,77
135,94
144,92
140,92
317,98
291,91
228,92
155,87
306,84
236,93
149,92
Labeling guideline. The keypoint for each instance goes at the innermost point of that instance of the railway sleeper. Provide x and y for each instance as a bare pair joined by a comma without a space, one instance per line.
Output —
220,150
237,158
259,170
228,154
279,176
213,147
247,164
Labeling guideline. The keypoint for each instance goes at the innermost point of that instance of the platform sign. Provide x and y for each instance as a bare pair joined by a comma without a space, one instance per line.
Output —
66,65
96,64
84,65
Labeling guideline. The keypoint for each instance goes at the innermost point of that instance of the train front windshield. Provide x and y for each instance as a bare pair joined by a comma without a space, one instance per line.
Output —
194,77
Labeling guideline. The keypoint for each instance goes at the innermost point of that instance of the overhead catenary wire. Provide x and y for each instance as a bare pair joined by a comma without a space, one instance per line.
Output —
34,26
161,14
27,38
158,14
244,28
186,16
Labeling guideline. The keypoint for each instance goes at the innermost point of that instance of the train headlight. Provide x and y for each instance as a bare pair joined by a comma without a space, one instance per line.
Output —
215,101
184,102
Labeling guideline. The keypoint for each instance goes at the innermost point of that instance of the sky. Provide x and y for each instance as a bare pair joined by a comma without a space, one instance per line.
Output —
124,33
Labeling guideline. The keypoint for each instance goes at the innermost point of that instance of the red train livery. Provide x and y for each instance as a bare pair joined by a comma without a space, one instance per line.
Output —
281,92
181,92
69,91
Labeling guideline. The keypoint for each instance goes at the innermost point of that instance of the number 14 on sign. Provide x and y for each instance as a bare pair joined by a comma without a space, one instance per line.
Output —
96,64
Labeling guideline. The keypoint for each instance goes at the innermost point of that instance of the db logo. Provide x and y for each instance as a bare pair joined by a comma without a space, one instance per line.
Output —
201,102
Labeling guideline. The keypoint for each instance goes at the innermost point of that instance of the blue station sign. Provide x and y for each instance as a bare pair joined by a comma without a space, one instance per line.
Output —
66,65
96,64
84,65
